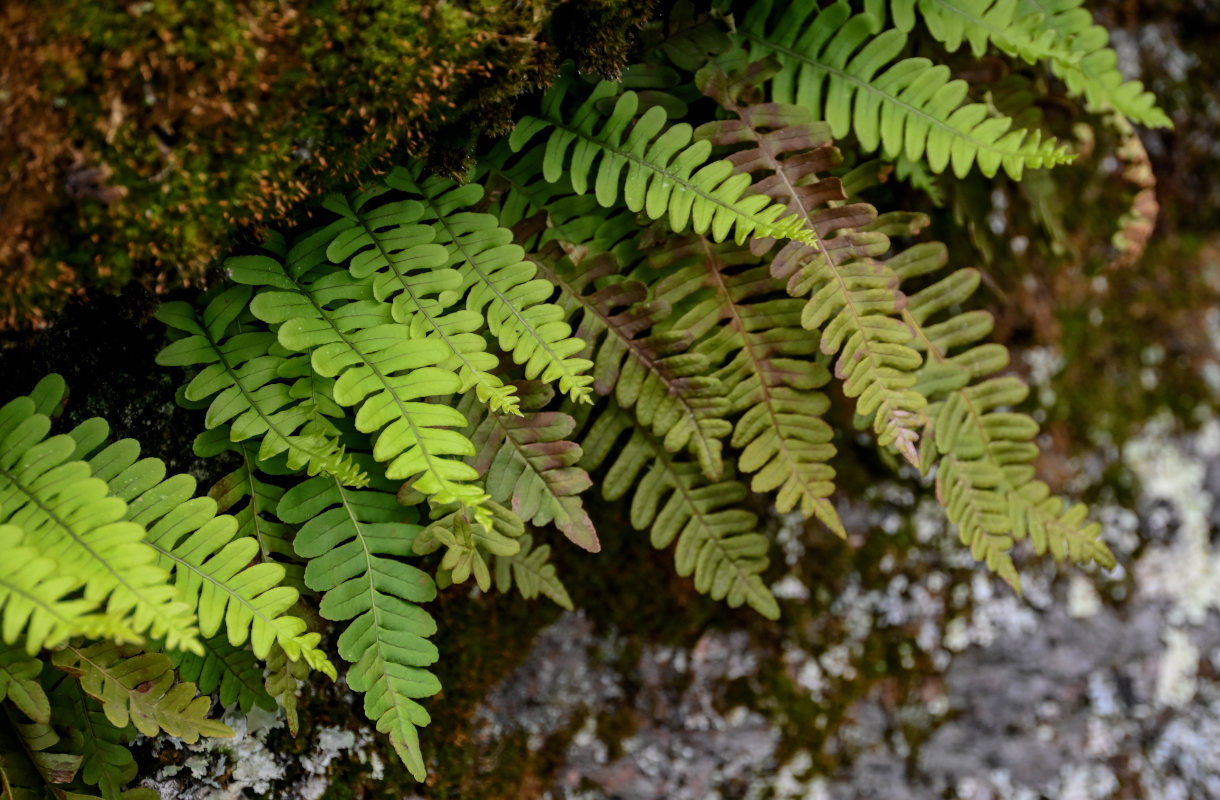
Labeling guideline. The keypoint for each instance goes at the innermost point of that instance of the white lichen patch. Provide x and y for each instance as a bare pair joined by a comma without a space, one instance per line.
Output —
1177,682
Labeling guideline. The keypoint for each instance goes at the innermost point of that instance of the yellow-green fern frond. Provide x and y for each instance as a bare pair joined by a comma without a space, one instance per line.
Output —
653,164
499,283
139,687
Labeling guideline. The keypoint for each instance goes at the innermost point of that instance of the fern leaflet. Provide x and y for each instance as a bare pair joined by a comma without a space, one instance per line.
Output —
529,571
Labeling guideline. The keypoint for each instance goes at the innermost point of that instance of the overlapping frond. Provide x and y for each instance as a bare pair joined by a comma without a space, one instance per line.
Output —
232,670
670,388
528,463
499,284
716,539
251,386
379,366
244,495
37,604
72,519
391,247
468,542
654,165
983,450
853,296
1092,68
106,759
210,563
354,540
742,324
139,687
840,67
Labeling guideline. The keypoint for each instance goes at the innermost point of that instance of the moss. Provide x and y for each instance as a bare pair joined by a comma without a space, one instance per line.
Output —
143,139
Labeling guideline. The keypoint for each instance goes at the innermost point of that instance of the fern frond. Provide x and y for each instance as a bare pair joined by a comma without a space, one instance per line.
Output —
716,539
528,463
354,540
241,376
673,391
853,297
843,70
666,174
378,364
769,364
19,680
982,23
985,477
283,680
210,563
139,688
232,669
531,573
466,541
106,760
499,283
1092,69
72,519
391,246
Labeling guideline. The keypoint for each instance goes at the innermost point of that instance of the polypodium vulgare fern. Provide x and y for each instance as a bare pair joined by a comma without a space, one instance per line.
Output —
441,371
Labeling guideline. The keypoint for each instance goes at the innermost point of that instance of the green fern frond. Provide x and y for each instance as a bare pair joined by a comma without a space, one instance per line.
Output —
853,297
210,563
19,680
354,540
1092,70
499,283
843,70
106,759
716,538
528,463
391,246
242,376
72,519
232,669
531,573
139,688
983,451
673,391
378,364
768,364
666,175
